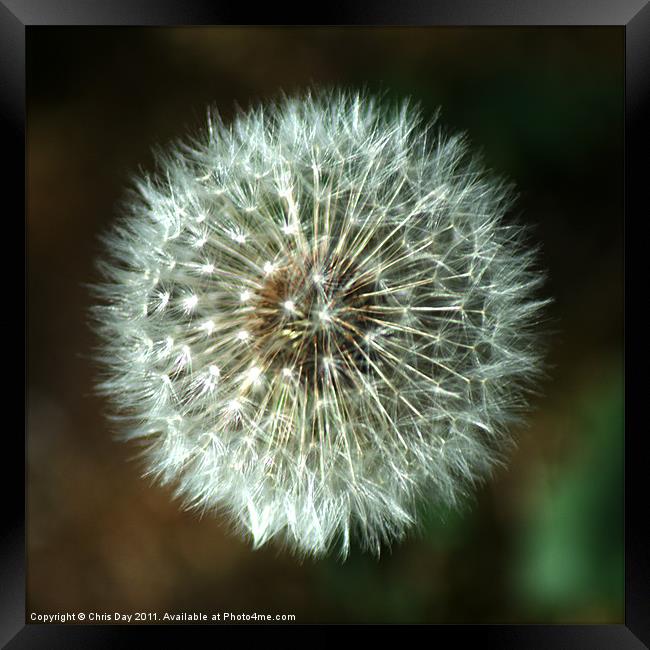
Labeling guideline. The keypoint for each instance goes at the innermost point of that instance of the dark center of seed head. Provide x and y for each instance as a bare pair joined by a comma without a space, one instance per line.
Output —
313,317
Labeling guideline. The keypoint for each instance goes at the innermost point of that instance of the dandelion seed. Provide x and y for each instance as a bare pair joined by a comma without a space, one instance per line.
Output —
290,229
384,341
208,326
254,374
190,303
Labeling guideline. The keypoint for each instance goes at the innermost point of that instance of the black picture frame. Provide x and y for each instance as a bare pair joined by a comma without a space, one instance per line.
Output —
632,16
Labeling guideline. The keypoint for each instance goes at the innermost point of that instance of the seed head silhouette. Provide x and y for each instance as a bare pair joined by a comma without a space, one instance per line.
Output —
316,318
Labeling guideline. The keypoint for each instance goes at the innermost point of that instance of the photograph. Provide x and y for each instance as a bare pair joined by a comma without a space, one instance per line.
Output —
325,325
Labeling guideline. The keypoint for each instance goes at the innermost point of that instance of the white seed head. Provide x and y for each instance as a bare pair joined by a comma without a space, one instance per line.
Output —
317,317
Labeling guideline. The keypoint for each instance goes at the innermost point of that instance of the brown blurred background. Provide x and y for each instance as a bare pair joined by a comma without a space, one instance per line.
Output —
543,541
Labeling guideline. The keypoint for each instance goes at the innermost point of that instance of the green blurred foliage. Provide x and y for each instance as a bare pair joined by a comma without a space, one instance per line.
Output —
572,540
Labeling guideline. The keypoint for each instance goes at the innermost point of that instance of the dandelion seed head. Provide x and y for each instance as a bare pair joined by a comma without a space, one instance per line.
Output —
319,316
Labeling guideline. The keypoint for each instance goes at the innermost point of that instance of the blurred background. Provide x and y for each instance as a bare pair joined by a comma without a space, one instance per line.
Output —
543,541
